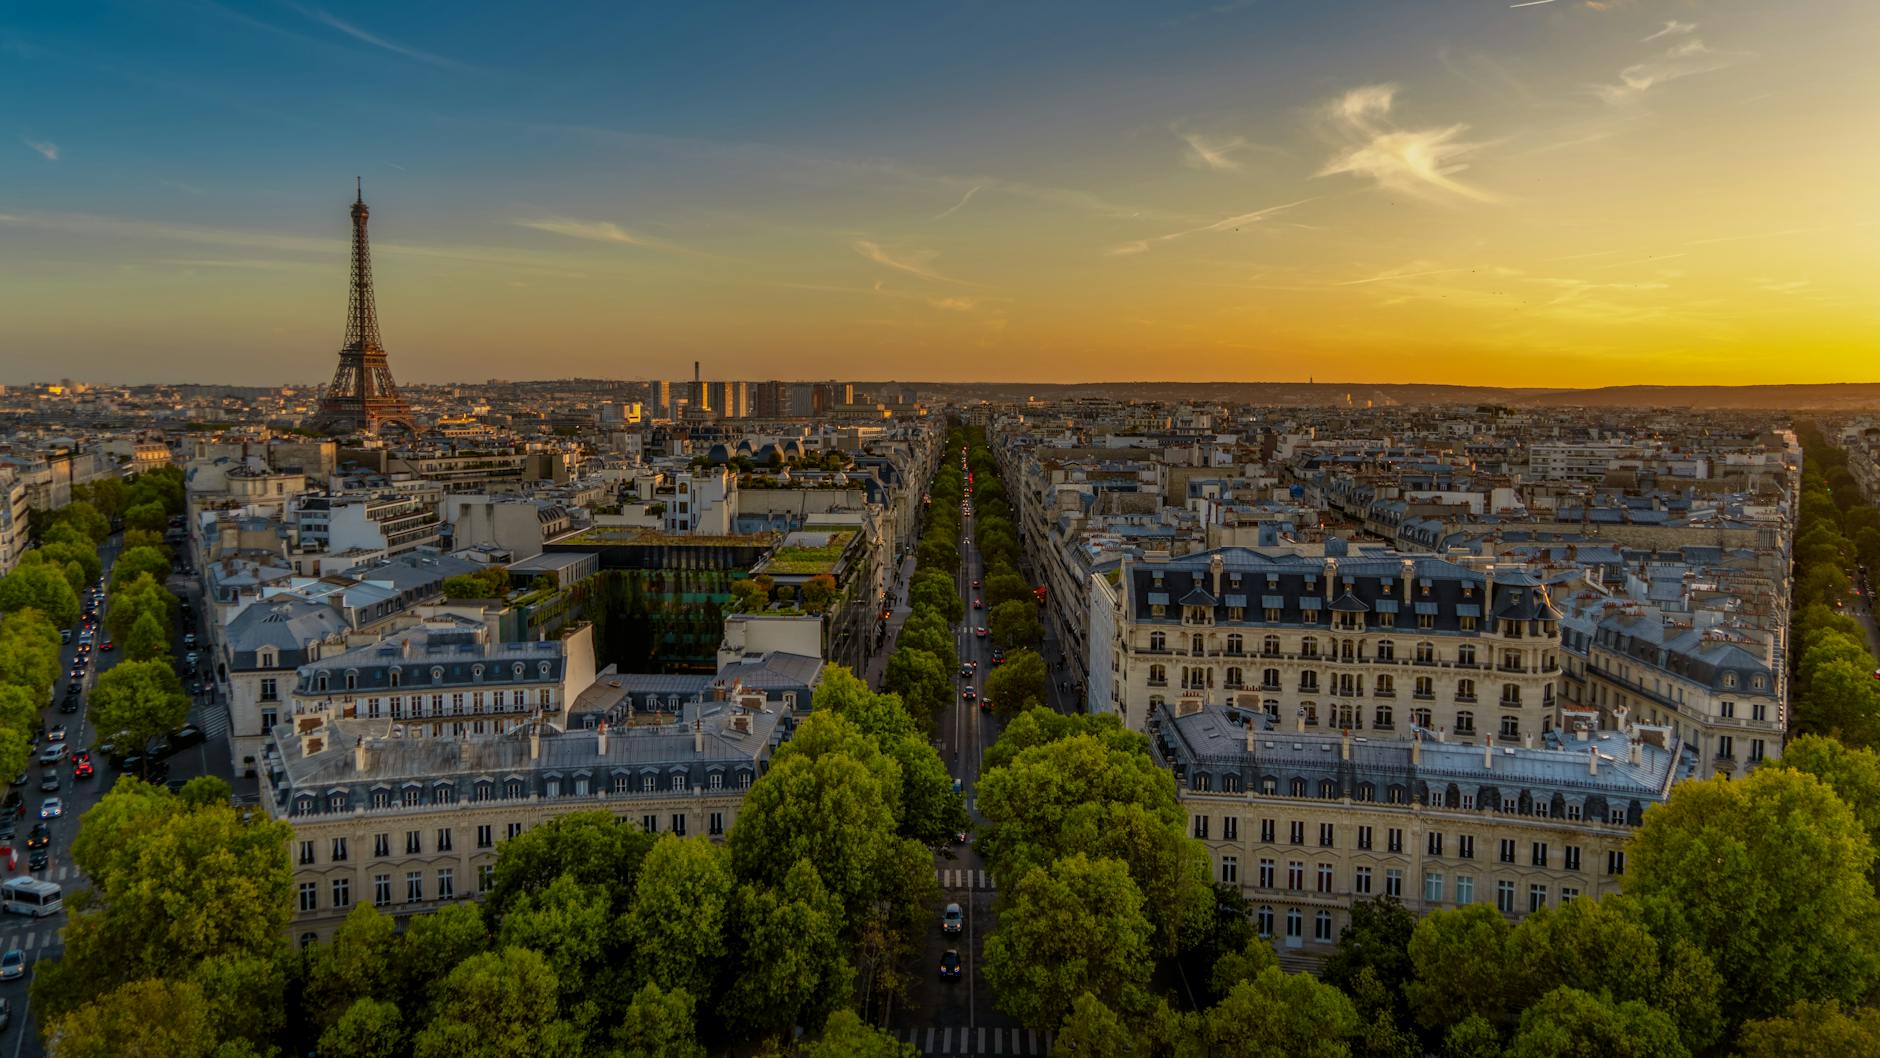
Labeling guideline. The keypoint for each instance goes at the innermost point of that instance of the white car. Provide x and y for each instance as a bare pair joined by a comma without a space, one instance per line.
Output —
53,753
51,808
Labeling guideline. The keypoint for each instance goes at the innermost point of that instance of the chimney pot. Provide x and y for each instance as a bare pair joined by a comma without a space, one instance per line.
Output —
1488,751
1592,760
362,757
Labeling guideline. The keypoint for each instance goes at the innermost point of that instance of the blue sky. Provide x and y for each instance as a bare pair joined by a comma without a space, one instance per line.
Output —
1395,190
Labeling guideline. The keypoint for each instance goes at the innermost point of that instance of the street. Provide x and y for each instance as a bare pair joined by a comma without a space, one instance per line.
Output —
40,938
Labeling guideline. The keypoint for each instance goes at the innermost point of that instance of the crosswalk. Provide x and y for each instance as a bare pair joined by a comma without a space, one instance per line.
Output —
30,940
211,717
960,1042
964,878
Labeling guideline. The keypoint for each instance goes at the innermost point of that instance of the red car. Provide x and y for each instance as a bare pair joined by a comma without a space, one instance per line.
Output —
108,645
980,631
81,769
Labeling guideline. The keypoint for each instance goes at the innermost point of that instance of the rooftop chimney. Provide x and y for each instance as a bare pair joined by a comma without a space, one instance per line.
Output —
600,739
1249,734
1344,744
1592,760
1638,751
535,739
362,757
1409,574
1416,748
1299,719
1488,751
698,734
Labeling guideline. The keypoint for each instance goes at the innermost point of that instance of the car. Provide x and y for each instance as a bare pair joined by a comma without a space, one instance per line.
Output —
39,837
84,637
107,645
958,786
65,635
971,694
70,705
952,920
51,808
980,631
966,671
191,658
185,736
950,965
978,603
38,859
189,639
998,656
12,965
55,733
83,769
53,753
975,582
985,705
49,781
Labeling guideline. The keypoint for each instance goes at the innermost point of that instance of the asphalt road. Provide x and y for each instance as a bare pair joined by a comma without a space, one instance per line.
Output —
40,938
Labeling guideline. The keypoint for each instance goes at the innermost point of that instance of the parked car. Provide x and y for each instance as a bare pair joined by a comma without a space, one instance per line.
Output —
952,920
189,639
185,736
65,635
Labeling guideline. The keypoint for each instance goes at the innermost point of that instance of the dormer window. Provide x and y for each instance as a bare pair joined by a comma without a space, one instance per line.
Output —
352,679
516,670
319,682
395,674
476,672
1729,679
541,667
437,674
267,658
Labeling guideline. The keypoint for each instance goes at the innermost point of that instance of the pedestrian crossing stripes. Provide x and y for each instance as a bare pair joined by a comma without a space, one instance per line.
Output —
211,717
978,1042
30,940
964,878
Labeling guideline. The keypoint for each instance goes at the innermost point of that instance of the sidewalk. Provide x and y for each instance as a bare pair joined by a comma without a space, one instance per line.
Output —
878,663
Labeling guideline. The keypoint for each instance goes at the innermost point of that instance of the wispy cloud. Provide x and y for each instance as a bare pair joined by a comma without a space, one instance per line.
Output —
913,262
957,206
1204,153
599,231
46,148
1673,28
1233,223
955,304
1683,59
1420,162
1531,3
335,23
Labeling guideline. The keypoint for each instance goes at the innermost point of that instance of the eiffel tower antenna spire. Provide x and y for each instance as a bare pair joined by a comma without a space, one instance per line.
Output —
363,396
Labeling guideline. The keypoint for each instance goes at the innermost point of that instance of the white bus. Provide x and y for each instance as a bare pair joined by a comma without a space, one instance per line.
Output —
30,896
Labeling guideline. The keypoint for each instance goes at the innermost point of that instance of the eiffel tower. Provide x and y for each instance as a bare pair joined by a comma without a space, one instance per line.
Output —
363,398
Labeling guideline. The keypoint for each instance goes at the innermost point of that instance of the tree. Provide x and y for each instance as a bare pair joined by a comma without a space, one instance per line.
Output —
594,848
819,591
369,1028
150,516
1238,967
135,701
144,538
1771,878
1015,624
791,966
1017,685
19,711
498,1004
1093,1030
844,1036
245,996
136,562
658,1024
1282,1015
1376,939
1853,775
1813,1030
749,596
147,641
41,587
1008,587
1570,1023
433,945
29,653
130,602
1460,959
1840,700
1472,1037
568,924
1075,926
681,914
149,1017
74,549
359,964
921,681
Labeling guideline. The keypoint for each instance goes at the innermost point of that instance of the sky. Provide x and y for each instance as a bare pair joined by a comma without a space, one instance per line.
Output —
1551,193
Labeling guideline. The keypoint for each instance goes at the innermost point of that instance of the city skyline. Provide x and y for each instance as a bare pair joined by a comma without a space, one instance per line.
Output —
1554,195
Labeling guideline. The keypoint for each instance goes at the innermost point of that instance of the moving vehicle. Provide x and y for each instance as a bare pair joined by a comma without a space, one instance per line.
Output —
39,837
55,733
82,769
12,965
978,603
49,781
980,631
952,920
998,656
971,694
53,753
51,808
39,859
30,896
108,646
950,965
975,582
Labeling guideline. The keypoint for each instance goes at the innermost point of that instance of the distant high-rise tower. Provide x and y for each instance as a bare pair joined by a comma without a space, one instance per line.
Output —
363,398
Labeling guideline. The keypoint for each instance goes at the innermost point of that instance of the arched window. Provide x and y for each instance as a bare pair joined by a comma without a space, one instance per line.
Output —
394,676
1511,694
1309,647
1295,922
1465,690
1386,650
1386,686
1322,927
1263,920
1385,717
1420,717
1269,679
1465,722
437,674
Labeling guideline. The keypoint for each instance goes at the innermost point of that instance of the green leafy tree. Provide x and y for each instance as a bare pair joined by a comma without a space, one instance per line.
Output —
1075,926
136,562
433,944
1840,700
819,591
929,809
499,1004
569,925
1008,587
1237,967
1771,878
921,681
595,848
658,1024
149,516
845,1036
171,885
1853,774
1813,1030
147,1017
245,997
369,1028
1093,1030
1017,685
1472,1037
130,603
41,587
19,711
77,551
85,518
749,596
1570,1023
1461,964
1378,939
1015,624
147,641
680,920
1282,1015
791,963
135,701
358,964
144,538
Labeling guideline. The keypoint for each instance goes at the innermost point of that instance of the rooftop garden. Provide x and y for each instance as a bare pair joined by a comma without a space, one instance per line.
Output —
628,534
797,560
